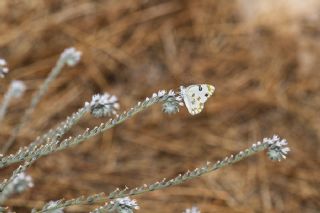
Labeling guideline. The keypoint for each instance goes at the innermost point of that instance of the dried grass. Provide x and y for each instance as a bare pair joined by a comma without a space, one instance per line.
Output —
265,69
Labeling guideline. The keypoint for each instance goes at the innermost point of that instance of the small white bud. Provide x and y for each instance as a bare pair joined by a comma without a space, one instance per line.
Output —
17,88
3,68
194,209
70,56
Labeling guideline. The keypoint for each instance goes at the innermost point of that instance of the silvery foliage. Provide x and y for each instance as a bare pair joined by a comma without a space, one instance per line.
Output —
193,209
3,68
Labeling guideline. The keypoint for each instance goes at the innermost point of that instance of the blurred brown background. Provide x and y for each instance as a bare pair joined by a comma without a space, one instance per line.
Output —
262,57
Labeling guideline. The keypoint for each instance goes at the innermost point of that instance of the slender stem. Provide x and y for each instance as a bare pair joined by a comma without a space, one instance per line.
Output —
61,129
34,101
207,168
54,145
6,100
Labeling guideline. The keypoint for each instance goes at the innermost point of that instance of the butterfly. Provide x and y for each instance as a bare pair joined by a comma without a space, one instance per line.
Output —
194,96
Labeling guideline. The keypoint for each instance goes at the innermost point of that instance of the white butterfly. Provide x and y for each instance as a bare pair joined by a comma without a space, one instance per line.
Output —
194,96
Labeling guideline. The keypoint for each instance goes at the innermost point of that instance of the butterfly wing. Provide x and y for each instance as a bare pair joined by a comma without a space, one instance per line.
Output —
196,95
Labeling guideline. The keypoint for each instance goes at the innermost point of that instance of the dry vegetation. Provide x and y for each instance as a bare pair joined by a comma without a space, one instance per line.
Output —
265,69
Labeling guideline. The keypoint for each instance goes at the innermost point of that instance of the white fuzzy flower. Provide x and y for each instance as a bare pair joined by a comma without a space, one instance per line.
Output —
70,56
172,103
278,148
103,105
3,68
20,183
3,62
170,106
194,209
17,88
126,205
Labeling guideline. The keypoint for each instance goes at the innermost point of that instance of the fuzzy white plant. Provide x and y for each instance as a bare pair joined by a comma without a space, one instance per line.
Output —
107,105
268,144
69,57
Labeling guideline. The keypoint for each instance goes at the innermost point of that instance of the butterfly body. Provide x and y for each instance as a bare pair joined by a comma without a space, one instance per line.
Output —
194,96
